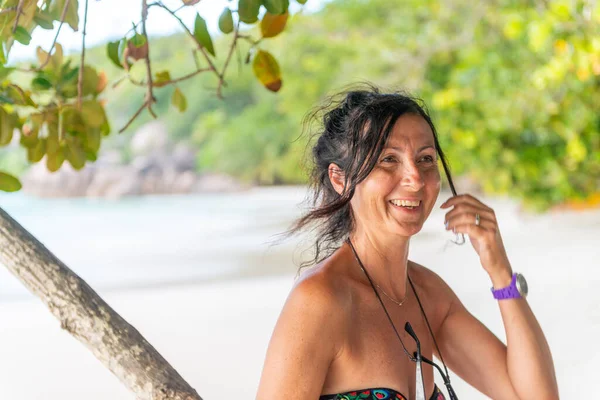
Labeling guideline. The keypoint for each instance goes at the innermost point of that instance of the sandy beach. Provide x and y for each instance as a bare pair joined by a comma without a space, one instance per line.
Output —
215,333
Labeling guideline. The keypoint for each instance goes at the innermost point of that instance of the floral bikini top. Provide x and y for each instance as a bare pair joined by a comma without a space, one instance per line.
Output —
377,394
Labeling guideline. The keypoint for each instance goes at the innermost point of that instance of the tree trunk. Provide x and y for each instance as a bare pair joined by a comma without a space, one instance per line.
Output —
117,344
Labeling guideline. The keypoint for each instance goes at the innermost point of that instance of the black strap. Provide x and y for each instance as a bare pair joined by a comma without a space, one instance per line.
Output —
410,356
428,326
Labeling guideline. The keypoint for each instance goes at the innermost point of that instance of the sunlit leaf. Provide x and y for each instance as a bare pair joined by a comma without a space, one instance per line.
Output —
190,2
93,113
201,34
56,59
226,21
92,140
301,1
2,56
55,160
90,80
36,153
9,183
75,153
161,78
272,25
178,100
4,72
7,126
71,17
248,11
266,69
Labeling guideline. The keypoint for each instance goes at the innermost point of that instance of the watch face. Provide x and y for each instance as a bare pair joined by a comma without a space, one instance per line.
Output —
522,285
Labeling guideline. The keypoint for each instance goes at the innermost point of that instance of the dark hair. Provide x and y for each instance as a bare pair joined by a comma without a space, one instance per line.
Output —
353,128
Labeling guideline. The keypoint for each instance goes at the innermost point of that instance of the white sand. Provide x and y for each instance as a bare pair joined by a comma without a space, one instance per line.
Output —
216,334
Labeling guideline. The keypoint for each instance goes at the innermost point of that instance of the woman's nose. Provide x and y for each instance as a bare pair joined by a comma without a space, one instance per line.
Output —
411,176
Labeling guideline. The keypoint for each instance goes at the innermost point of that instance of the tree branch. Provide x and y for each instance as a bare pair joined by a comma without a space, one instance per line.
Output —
82,63
172,81
86,316
149,95
191,35
63,15
133,117
7,10
222,74
19,12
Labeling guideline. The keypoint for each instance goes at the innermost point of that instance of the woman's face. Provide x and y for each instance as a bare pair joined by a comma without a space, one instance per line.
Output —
399,193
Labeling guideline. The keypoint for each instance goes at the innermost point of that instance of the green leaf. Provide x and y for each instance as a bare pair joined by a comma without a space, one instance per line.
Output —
92,140
4,72
202,35
75,153
138,40
179,100
40,83
266,69
22,36
9,183
248,11
70,74
36,153
276,6
301,1
93,114
160,78
226,21
7,126
122,47
90,80
112,51
44,20
2,54
71,17
55,160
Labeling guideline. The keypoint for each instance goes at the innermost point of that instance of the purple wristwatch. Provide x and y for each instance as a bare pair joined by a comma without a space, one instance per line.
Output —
516,290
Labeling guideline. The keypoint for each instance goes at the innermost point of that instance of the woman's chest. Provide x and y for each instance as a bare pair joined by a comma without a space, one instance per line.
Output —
375,353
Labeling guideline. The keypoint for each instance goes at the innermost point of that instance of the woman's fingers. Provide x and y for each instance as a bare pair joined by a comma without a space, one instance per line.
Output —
469,218
468,209
466,199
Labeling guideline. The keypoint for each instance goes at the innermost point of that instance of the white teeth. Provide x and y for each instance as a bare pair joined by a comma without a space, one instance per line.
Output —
406,203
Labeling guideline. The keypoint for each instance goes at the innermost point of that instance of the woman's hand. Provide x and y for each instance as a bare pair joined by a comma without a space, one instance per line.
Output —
485,238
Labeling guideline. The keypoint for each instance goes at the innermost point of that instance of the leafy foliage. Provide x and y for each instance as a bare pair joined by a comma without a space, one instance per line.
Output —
60,115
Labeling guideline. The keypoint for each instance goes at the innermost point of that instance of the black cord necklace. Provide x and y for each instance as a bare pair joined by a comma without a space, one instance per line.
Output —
417,358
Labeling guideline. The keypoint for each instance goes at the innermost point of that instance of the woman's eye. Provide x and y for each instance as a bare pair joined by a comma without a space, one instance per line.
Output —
388,159
428,159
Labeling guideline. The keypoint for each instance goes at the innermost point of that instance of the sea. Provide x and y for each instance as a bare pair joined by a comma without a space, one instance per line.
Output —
140,242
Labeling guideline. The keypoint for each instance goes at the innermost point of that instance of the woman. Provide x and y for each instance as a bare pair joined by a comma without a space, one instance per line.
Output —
343,332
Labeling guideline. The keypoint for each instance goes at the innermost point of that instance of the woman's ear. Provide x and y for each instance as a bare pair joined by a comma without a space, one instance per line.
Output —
336,177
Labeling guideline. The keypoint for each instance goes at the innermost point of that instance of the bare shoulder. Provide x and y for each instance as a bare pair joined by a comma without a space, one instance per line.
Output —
322,288
431,286
307,337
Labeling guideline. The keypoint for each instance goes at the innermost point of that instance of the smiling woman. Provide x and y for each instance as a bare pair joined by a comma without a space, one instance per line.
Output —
375,181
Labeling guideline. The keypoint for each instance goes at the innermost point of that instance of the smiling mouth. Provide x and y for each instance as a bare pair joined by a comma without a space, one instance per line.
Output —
407,204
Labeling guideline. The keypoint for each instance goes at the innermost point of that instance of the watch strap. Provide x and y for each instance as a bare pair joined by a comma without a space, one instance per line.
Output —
509,292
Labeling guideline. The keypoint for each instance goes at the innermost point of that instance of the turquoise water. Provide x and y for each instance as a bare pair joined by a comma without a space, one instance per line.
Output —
159,240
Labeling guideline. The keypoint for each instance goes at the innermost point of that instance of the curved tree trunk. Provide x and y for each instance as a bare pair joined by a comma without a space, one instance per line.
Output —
117,344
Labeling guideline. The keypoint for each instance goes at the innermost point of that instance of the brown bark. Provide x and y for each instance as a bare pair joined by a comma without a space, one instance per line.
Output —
117,344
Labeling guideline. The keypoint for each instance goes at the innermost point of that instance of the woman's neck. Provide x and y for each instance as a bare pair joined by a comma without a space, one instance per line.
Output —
385,259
